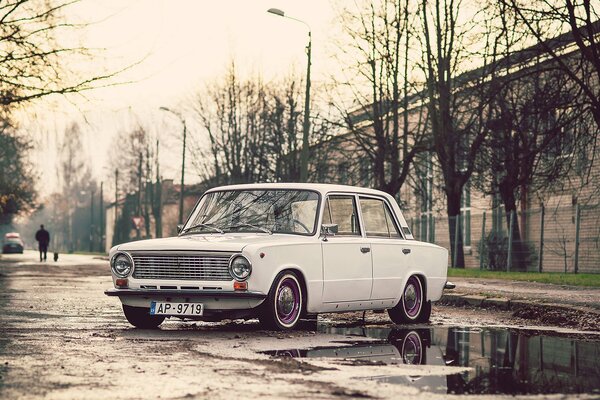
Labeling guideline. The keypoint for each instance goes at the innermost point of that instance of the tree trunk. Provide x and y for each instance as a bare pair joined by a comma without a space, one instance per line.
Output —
456,242
520,252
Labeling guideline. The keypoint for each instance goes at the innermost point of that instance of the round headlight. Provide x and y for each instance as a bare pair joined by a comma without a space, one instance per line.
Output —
121,265
240,268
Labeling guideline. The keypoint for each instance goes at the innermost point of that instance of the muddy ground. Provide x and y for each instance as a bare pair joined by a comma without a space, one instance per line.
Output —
61,338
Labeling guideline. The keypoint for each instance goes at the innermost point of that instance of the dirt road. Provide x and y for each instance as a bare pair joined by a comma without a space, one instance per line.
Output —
61,338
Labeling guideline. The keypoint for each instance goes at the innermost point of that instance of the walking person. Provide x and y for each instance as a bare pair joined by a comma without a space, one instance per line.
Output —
43,238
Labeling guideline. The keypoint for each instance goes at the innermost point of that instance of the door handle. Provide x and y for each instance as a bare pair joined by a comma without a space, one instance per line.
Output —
406,251
365,249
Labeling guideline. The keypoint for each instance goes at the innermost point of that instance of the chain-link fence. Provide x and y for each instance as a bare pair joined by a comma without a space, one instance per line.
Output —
562,239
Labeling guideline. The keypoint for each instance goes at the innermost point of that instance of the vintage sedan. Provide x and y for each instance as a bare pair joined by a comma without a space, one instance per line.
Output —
281,252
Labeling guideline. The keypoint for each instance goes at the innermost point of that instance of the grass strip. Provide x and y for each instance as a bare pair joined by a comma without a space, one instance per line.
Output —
555,278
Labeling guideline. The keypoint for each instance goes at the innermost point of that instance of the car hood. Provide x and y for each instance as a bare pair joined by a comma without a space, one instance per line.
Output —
211,242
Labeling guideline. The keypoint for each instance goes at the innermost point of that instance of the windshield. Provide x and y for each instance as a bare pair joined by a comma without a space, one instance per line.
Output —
269,211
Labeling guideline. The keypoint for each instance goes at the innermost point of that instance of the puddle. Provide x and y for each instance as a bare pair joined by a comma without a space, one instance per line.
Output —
502,361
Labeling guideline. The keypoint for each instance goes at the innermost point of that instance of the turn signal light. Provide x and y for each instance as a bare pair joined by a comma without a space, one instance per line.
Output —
240,285
121,282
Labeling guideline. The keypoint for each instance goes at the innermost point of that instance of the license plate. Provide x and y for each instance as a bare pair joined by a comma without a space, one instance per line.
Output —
184,309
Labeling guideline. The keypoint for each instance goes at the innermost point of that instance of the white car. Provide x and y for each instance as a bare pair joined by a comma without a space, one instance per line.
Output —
281,252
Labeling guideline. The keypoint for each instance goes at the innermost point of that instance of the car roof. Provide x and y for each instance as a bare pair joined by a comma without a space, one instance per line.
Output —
322,188
12,235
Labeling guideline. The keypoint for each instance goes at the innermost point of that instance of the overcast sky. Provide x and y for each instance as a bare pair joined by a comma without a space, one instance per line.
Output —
183,45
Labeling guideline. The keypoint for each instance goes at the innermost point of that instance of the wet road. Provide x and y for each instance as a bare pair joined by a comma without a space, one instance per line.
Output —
61,338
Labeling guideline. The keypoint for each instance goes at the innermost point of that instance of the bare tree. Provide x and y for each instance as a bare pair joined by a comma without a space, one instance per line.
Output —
35,61
229,112
581,20
32,59
76,181
377,38
253,128
283,126
534,139
18,178
137,164
533,118
456,105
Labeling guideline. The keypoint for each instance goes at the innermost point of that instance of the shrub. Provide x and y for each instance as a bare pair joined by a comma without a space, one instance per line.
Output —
495,253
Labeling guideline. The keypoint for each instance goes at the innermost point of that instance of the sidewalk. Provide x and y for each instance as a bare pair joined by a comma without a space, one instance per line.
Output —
528,298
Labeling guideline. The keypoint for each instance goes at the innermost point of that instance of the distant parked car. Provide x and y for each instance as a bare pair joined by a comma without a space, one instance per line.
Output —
12,243
281,252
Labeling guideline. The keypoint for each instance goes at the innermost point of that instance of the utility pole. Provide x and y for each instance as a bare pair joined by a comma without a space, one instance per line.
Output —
181,194
182,190
116,201
306,124
148,194
92,220
101,246
158,213
139,196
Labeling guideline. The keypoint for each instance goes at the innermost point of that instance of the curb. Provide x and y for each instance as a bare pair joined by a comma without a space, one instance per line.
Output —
504,303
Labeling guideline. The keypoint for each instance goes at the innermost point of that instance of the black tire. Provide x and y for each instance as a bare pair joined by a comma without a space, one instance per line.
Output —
140,317
425,313
412,307
284,305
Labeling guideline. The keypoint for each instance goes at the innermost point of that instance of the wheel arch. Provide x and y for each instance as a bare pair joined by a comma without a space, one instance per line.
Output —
421,276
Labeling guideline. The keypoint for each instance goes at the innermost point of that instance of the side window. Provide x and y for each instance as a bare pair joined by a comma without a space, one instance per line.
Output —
378,219
341,210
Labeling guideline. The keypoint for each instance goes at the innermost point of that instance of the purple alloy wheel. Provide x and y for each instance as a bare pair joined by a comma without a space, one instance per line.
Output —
412,349
288,301
412,297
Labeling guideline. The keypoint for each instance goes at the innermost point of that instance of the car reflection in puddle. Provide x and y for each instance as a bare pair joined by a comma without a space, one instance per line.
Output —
501,361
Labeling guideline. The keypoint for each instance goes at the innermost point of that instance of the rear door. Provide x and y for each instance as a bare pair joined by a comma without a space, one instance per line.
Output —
390,252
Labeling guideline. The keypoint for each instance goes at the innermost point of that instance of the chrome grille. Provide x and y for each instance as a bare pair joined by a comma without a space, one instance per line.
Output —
200,267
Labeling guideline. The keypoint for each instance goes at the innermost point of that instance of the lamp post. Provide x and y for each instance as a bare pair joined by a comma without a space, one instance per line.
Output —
182,161
306,124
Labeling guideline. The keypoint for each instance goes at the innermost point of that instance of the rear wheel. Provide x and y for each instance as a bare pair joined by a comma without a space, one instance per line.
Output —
284,304
412,307
140,317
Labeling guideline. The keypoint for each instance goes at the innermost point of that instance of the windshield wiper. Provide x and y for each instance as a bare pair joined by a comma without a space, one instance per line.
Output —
265,230
202,226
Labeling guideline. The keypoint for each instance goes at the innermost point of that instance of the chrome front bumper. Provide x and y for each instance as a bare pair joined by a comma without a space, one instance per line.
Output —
214,301
196,294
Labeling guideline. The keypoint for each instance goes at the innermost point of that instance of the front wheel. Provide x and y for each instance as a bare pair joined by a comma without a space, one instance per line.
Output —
140,317
284,304
412,307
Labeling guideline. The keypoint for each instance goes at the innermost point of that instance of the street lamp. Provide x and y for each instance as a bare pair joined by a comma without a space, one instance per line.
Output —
182,160
306,125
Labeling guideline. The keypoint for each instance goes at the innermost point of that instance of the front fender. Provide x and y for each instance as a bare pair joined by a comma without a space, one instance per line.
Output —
305,259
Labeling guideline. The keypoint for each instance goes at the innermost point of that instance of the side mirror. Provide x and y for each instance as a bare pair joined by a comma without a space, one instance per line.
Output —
329,230
179,228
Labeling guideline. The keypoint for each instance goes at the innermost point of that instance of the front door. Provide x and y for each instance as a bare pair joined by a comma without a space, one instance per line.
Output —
347,266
